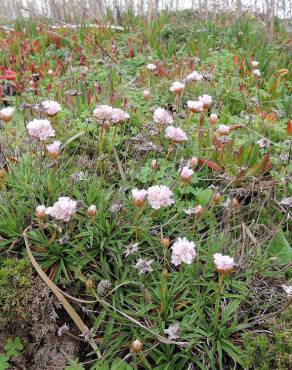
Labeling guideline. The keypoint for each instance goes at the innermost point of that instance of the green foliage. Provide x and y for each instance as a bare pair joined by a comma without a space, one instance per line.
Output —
12,349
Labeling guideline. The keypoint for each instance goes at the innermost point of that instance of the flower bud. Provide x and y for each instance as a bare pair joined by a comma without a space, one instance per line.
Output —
3,173
91,211
165,242
194,161
89,283
146,94
234,203
6,114
213,118
137,346
50,72
198,210
40,212
154,164
216,198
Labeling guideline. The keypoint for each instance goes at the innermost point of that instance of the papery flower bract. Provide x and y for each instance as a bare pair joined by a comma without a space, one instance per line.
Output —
206,100
183,251
173,331
223,264
159,196
63,209
151,67
177,87
40,212
6,114
143,266
139,197
287,289
154,164
131,249
53,150
194,77
175,134
51,107
91,211
195,106
162,116
40,129
256,73
136,346
185,173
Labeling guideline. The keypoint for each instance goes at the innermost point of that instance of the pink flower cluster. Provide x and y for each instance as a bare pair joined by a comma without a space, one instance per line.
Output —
223,263
40,129
51,107
162,117
108,115
183,251
194,77
159,196
175,134
64,209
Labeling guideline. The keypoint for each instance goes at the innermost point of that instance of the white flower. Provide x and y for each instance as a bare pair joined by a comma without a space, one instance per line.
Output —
139,197
151,67
206,100
146,94
159,196
53,150
223,130
143,266
162,116
186,173
51,107
195,106
254,63
288,289
40,129
118,115
177,87
183,251
286,202
197,210
63,209
6,114
194,76
175,134
173,331
223,263
256,72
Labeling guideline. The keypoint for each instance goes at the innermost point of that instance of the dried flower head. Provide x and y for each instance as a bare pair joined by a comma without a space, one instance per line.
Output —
64,209
213,118
287,289
104,287
40,129
63,330
183,251
194,161
131,249
143,266
173,331
91,211
136,346
223,130
146,94
159,196
40,212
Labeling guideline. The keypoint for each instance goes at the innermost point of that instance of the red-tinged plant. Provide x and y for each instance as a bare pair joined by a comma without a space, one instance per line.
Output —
289,128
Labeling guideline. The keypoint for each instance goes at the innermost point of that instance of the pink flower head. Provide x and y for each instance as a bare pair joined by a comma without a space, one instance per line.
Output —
186,173
175,134
223,264
40,212
213,118
162,116
107,114
159,196
151,67
51,107
177,87
118,115
195,106
139,197
6,114
194,77
206,100
40,129
183,251
53,150
223,130
63,209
